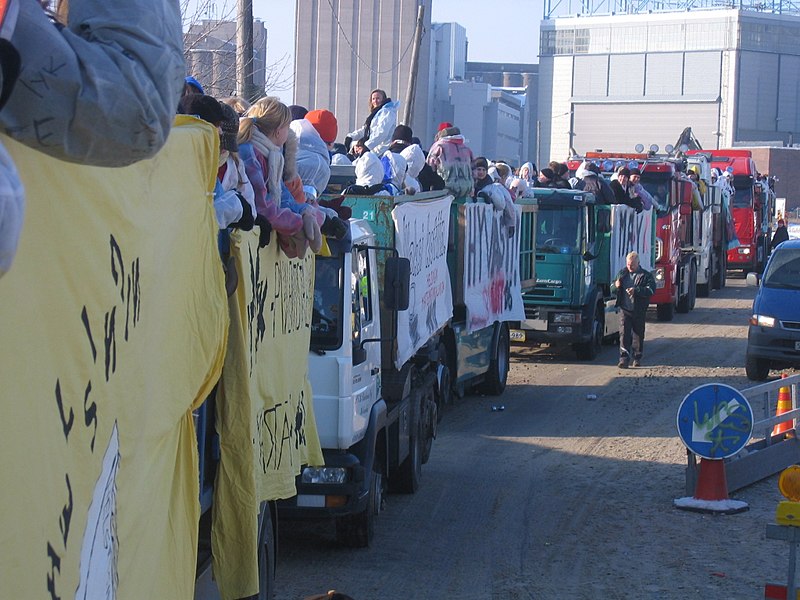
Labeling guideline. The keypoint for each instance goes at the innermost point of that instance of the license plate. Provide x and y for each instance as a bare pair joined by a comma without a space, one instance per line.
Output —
517,335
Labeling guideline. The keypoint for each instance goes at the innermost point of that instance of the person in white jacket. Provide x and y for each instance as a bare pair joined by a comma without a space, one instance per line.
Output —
376,133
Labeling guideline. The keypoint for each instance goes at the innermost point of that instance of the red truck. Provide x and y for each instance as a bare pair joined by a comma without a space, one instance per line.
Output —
753,205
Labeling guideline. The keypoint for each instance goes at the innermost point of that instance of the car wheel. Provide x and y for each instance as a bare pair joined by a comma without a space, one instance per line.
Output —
757,369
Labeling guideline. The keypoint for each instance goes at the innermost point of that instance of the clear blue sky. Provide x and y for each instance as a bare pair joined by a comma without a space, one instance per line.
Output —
497,30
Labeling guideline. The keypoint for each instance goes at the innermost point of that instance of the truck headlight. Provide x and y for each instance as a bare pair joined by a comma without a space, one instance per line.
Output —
324,475
762,321
744,250
659,277
566,318
659,249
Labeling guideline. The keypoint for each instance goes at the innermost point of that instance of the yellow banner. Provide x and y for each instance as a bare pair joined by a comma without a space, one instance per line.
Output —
114,323
264,410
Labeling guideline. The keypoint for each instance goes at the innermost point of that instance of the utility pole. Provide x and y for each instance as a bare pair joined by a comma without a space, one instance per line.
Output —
408,110
244,50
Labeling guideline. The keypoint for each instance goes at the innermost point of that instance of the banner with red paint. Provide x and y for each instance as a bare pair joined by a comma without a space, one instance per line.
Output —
492,288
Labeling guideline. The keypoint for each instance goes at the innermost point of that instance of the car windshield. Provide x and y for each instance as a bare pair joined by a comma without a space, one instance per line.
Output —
326,317
658,186
558,228
783,270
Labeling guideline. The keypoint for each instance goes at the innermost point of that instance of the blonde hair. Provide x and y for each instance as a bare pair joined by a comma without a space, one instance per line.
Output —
268,114
371,108
632,256
239,104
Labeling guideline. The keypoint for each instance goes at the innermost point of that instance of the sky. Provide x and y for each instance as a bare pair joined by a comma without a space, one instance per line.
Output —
497,31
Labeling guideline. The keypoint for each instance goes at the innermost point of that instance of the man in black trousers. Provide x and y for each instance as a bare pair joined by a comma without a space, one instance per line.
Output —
634,286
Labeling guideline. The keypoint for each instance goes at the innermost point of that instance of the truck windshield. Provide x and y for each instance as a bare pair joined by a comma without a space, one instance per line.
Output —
558,228
326,317
743,198
659,190
784,270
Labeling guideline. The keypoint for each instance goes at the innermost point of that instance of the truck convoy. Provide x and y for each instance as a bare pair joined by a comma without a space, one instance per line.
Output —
753,207
388,351
580,245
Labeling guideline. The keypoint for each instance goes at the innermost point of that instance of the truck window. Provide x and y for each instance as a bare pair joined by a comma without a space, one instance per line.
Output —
558,228
326,316
743,198
659,189
360,281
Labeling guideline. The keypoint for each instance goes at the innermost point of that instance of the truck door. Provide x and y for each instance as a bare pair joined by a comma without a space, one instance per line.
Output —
365,327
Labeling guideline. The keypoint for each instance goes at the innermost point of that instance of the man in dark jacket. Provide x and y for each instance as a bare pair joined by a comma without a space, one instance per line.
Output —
634,286
622,193
781,234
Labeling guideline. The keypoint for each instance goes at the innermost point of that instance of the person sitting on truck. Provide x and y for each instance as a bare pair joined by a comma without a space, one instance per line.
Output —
451,159
376,131
637,190
480,173
269,150
633,287
589,179
370,176
422,176
620,185
560,170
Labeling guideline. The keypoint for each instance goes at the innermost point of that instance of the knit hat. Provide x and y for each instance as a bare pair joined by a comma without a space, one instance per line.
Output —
624,171
202,106
444,125
325,124
230,128
548,173
402,133
298,112
194,83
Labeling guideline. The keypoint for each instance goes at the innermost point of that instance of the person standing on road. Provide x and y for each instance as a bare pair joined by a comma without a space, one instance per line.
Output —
634,286
781,234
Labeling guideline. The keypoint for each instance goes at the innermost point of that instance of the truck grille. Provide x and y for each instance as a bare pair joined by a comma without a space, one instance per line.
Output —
542,292
531,312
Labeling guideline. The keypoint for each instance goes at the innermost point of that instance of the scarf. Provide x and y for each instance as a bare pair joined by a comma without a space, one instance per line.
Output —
275,161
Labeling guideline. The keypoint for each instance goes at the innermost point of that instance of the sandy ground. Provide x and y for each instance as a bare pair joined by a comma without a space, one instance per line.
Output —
560,496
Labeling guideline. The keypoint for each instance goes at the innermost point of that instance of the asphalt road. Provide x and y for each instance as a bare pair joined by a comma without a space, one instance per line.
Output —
560,495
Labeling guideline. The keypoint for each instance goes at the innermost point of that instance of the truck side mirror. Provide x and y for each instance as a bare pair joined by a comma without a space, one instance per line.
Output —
396,283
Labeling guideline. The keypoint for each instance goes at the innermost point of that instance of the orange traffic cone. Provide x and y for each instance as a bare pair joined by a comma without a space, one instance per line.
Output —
784,405
711,491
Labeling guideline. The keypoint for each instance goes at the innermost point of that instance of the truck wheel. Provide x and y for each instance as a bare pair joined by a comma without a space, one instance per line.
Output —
266,554
409,473
685,302
497,375
757,369
591,349
665,312
718,279
703,289
444,383
358,531
693,287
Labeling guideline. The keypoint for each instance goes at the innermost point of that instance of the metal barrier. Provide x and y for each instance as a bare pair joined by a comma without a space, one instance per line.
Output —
766,454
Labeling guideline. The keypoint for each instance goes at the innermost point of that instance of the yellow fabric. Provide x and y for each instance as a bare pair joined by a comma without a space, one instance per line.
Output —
265,415
114,326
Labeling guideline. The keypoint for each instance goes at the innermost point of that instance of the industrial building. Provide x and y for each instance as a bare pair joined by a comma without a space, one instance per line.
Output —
613,81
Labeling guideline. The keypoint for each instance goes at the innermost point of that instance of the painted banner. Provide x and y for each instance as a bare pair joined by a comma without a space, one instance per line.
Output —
114,327
265,412
492,289
632,231
421,234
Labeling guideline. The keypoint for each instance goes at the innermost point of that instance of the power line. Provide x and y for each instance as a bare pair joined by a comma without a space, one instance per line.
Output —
358,56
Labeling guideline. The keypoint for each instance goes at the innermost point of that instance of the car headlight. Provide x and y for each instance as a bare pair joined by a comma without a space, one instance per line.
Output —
324,475
762,321
566,318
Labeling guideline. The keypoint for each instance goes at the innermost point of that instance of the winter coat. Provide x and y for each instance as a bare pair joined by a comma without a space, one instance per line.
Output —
451,159
104,89
644,286
781,235
622,196
233,185
313,158
376,133
415,159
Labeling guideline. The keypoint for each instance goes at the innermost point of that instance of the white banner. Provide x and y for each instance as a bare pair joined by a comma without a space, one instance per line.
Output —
421,233
492,290
631,232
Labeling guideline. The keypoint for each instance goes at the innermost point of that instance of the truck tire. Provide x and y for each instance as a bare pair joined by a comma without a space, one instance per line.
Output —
358,531
444,382
496,377
757,369
665,312
718,279
590,349
266,553
409,474
686,302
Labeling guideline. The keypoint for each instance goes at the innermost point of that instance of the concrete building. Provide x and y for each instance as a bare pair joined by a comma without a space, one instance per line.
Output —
614,81
210,53
345,49
448,60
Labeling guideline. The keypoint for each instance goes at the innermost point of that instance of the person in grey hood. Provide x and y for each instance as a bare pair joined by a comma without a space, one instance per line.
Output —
100,90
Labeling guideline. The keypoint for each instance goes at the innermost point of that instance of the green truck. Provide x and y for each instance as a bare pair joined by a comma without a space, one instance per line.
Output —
580,246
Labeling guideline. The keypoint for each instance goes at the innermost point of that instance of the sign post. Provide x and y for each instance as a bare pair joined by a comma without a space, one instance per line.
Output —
715,421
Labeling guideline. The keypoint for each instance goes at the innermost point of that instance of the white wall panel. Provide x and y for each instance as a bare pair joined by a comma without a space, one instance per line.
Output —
701,74
758,91
664,74
591,76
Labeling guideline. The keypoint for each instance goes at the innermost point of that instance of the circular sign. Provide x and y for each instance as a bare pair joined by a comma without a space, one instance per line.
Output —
715,421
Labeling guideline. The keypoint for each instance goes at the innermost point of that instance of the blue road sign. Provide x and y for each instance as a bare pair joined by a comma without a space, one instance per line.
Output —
715,421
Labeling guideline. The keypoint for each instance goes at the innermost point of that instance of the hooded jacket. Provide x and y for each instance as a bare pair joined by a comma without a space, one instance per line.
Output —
376,133
313,158
103,107
451,159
